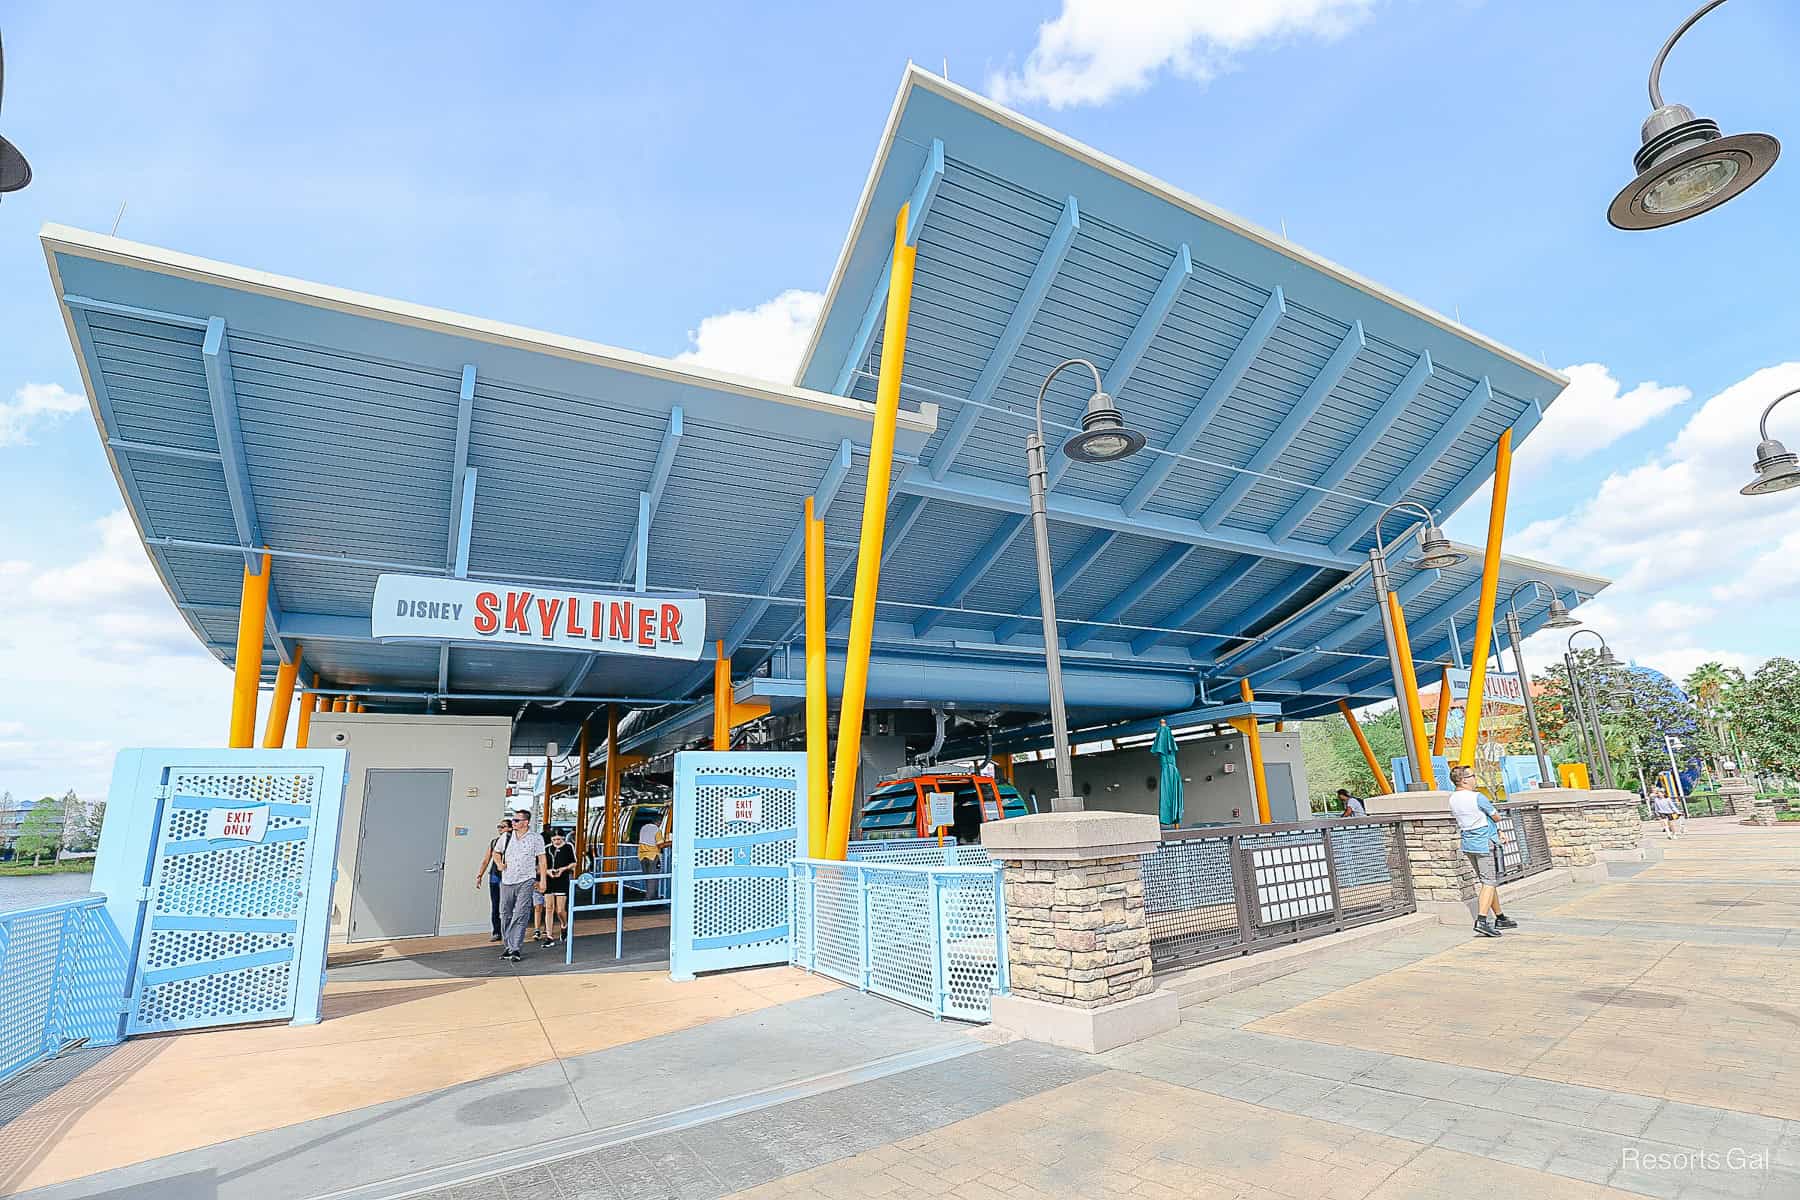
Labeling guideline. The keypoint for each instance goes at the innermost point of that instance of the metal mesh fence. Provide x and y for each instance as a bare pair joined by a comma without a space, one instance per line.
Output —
62,980
1524,847
927,936
1214,893
919,851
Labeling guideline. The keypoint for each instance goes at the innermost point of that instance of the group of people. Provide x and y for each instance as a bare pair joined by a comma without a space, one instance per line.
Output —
528,884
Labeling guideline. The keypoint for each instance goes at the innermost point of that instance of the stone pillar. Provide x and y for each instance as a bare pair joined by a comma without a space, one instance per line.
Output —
1588,829
1739,795
1443,882
1077,945
1764,811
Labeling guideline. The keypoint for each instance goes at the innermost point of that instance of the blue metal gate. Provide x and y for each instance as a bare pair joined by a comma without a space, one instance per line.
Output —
739,820
232,915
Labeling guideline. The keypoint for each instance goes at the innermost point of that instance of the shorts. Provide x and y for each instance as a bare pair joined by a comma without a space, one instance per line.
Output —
1487,869
537,899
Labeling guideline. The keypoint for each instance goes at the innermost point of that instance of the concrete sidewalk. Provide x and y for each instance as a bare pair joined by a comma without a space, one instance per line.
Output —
1634,1037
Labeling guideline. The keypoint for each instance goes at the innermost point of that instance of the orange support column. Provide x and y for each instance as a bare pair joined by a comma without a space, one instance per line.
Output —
1484,610
581,797
609,819
253,613
1409,691
281,703
721,698
818,702
1253,735
1368,752
1443,713
303,731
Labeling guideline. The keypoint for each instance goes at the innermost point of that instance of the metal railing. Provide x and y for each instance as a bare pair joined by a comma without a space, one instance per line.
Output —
932,937
919,851
1524,848
62,981
1217,893
618,880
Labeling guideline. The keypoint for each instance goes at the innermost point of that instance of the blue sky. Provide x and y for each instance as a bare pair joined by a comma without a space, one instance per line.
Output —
677,179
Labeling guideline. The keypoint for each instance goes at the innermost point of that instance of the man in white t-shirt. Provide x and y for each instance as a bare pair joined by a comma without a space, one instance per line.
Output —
523,874
1353,805
1480,825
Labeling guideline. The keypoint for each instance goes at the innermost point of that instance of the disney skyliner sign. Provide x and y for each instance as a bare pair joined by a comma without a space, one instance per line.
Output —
468,610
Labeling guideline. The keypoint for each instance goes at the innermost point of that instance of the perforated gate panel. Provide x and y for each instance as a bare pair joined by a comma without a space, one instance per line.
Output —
224,918
738,817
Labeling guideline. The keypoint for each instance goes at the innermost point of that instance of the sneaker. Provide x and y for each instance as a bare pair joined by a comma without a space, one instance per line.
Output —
494,937
1483,928
1505,922
513,956
505,954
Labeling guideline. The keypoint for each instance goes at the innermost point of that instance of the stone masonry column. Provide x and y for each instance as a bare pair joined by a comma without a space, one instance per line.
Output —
1077,945
1443,881
1588,829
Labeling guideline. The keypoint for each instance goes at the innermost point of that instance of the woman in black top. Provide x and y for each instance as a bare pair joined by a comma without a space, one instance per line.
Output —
559,859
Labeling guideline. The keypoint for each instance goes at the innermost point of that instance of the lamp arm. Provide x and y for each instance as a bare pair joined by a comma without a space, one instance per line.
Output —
1656,99
1762,426
1395,507
1054,372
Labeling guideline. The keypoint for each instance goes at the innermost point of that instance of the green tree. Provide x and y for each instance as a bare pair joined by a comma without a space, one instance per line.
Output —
1709,684
1765,710
40,833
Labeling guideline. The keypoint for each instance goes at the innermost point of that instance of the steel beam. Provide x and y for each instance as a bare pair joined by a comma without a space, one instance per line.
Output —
1426,625
1409,591
924,193
659,480
1257,611
1136,590
1211,400
1098,514
1074,569
1277,443
1199,602
986,557
1043,275
1478,398
1359,447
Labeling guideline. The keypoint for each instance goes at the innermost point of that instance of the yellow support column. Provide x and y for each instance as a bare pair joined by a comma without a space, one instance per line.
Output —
1443,713
1368,751
275,729
1410,711
609,819
303,731
340,704
818,703
253,613
868,554
1254,737
1484,609
1004,764
721,699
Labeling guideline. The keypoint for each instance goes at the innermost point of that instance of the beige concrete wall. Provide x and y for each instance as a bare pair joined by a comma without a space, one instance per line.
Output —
472,749
1126,780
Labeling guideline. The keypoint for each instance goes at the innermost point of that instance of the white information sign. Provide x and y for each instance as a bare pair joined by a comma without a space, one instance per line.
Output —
247,824
940,809
747,807
475,610
1498,689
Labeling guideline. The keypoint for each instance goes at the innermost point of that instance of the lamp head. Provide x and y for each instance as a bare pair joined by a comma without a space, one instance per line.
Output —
1685,167
1435,550
1607,657
1560,617
1777,470
1104,436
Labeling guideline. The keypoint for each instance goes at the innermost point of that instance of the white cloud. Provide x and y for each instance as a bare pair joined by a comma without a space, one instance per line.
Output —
764,342
97,659
1095,50
35,404
1592,413
1668,531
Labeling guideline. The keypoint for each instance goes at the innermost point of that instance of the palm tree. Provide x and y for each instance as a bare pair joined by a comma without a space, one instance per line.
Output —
1708,684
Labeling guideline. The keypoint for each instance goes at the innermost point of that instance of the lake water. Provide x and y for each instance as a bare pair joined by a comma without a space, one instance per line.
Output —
27,891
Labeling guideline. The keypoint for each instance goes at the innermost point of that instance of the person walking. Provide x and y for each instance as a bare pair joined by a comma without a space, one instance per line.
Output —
649,851
1666,810
1353,805
1480,826
490,867
560,860
522,876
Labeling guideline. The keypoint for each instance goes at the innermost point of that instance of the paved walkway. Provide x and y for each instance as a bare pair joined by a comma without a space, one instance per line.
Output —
1633,1038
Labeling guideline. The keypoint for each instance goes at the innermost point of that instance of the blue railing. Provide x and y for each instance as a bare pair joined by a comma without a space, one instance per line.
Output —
618,880
926,852
933,937
62,981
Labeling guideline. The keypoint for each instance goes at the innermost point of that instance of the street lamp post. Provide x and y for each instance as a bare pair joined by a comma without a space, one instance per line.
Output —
1103,438
1591,703
1560,618
1435,551
1685,166
1777,468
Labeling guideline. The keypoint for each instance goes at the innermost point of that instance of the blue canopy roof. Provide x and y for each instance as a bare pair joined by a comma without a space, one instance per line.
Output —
1286,401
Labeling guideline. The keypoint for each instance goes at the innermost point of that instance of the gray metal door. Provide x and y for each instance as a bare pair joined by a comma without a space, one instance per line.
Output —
1283,804
399,883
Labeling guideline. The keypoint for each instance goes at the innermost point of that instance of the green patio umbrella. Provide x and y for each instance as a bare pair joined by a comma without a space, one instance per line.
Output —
1170,784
